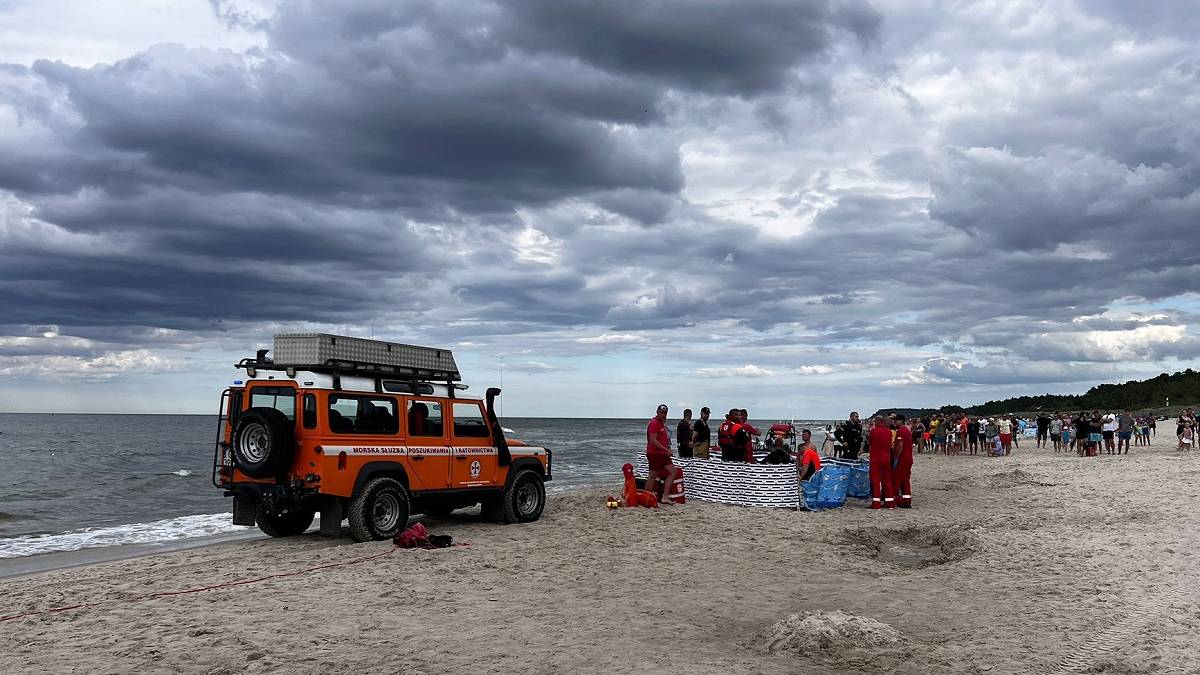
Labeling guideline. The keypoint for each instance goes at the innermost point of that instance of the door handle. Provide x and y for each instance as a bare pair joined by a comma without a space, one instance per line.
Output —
418,458
461,457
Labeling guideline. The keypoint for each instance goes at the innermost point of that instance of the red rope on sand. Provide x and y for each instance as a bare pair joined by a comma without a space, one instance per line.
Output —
227,584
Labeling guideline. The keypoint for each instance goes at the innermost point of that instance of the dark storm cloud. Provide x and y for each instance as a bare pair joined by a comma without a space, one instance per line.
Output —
215,184
743,48
520,166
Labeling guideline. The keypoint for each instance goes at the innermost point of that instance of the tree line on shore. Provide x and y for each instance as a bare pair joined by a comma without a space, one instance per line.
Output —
1150,395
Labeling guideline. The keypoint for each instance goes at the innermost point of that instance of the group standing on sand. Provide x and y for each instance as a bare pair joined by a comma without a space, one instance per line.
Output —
890,440
734,441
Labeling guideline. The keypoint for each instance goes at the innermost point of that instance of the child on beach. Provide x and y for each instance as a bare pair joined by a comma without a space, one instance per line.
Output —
1187,438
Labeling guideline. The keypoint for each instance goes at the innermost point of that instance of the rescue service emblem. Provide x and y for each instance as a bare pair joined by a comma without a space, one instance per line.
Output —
476,469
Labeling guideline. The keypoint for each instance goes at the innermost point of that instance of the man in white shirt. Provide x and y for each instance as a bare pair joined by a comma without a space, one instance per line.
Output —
1006,426
1109,430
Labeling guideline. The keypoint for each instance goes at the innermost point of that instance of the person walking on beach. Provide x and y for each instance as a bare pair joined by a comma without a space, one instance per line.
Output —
1055,429
701,435
902,464
683,434
658,456
1125,425
880,443
1043,430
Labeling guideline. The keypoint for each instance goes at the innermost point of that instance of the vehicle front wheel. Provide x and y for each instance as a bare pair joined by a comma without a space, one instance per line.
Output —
379,511
284,524
525,497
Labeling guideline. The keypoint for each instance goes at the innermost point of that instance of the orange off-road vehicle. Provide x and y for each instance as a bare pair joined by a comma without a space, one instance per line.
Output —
370,432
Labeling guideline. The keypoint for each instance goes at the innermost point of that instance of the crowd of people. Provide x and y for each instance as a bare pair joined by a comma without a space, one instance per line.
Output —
1087,434
890,441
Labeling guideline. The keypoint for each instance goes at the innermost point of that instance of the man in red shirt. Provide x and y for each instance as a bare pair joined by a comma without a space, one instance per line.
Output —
658,455
748,447
880,443
902,464
806,456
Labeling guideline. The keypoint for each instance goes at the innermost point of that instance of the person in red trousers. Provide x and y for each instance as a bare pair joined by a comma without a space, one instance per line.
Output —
902,464
880,443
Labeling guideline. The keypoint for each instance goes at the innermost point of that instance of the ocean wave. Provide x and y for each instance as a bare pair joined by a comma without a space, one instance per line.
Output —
182,472
171,529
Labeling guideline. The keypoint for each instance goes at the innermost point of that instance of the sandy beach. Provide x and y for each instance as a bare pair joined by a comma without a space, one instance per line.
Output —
1038,562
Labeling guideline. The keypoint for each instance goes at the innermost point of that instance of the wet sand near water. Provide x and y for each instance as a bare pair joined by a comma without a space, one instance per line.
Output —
1032,563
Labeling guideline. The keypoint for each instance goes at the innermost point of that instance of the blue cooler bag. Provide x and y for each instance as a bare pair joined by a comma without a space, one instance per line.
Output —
832,491
810,490
860,481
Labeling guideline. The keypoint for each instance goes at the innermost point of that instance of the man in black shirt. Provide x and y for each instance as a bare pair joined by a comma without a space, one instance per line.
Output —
1083,428
850,435
701,435
1043,429
684,433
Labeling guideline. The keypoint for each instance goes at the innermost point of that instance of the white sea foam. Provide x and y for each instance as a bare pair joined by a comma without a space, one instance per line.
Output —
182,472
171,529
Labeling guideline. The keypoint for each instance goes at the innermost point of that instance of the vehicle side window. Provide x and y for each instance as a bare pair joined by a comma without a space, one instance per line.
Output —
362,415
282,399
468,421
424,418
310,411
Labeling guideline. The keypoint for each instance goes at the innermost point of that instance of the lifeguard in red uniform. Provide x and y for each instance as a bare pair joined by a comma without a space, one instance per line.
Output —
902,467
880,443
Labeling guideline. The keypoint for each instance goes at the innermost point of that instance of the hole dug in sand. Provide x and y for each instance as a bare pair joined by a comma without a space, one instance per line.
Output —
996,481
827,633
916,547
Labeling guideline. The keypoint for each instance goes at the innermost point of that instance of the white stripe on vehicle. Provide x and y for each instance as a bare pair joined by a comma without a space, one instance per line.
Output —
427,450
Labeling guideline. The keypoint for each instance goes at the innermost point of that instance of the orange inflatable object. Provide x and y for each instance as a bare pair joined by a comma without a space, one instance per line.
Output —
634,496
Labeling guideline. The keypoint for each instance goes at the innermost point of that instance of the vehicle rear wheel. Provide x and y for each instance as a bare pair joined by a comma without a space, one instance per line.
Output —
379,511
263,442
525,497
284,524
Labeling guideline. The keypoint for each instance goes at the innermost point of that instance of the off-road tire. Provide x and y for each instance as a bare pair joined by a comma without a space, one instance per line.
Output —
379,511
263,442
287,524
525,497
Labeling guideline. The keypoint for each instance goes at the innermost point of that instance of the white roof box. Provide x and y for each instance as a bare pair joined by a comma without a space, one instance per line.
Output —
351,353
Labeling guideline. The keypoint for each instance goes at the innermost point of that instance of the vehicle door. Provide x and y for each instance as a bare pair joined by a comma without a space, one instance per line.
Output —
280,396
428,442
359,428
474,463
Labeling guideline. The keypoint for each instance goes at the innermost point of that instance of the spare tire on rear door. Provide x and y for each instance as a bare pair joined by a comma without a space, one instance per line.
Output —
263,442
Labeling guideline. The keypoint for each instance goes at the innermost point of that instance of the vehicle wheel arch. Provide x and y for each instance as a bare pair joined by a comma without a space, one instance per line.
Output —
523,463
372,470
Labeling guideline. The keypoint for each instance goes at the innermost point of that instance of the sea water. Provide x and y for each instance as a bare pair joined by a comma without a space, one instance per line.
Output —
69,482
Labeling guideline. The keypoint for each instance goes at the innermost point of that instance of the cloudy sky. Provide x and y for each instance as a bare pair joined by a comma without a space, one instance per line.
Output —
795,207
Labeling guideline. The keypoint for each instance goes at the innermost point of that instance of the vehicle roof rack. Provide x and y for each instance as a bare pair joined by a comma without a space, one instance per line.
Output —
342,355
